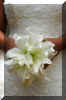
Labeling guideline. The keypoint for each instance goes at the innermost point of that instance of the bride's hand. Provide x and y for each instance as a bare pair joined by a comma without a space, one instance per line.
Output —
9,43
1,40
57,42
6,43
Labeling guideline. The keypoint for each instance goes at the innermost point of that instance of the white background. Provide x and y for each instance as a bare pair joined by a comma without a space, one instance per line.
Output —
34,1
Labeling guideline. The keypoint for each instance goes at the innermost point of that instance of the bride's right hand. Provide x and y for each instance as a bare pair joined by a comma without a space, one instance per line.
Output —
6,43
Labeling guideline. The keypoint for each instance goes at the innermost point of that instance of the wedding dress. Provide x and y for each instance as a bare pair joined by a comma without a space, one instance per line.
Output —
46,20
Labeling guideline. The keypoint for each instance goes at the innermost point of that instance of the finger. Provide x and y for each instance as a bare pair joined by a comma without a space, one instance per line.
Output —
9,43
2,40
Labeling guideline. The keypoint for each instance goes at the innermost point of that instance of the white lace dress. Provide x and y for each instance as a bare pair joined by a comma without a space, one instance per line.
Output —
43,19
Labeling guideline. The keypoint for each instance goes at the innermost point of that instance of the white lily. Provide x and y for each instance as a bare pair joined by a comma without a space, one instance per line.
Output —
31,55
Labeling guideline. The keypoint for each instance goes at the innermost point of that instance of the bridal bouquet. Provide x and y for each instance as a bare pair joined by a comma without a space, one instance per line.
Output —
29,59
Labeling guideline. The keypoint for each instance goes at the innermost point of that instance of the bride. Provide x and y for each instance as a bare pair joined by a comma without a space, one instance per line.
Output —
7,43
